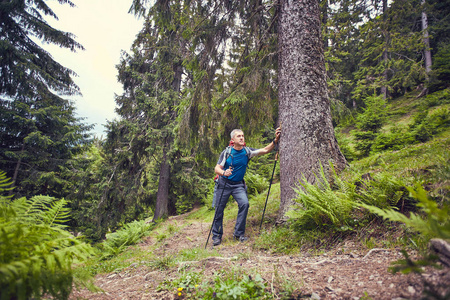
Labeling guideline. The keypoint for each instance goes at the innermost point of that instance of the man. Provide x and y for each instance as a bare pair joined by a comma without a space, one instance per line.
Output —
231,169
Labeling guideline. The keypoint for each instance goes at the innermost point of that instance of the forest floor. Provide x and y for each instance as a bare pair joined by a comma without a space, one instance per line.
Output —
345,272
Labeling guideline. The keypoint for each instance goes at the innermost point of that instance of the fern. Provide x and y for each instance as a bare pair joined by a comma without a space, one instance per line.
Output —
36,253
5,183
383,191
321,205
435,224
118,241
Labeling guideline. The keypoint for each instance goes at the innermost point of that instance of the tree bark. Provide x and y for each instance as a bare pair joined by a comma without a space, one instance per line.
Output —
16,170
162,196
308,135
384,90
426,40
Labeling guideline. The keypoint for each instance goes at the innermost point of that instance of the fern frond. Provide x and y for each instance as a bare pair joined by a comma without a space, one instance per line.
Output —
5,183
36,254
320,203
436,223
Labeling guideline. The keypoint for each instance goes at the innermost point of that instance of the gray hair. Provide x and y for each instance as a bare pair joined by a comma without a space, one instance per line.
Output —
233,133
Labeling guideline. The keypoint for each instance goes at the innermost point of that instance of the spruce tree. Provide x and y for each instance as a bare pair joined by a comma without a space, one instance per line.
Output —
38,129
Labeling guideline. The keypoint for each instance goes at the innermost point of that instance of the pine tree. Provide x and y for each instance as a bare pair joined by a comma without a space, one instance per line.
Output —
26,68
38,128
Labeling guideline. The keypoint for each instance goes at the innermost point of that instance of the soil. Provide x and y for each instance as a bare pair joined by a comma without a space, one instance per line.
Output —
345,272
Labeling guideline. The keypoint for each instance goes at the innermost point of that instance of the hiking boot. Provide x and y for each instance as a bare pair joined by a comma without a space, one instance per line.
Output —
241,238
216,241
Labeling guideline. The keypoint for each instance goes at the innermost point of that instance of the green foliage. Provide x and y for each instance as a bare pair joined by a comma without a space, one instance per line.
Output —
36,253
435,99
435,223
344,145
275,241
383,191
187,284
374,114
27,69
118,241
39,130
5,183
396,139
370,122
320,205
425,126
365,140
441,68
255,183
237,285
163,262
227,284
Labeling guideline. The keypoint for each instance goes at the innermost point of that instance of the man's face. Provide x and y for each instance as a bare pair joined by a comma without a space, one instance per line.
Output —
238,138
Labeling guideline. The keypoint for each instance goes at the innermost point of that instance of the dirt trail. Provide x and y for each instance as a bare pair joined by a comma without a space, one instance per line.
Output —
346,272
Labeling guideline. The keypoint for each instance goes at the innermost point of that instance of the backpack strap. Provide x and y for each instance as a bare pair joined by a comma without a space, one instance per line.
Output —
248,153
229,148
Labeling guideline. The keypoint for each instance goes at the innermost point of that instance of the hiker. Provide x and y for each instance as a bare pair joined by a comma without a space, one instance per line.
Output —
231,168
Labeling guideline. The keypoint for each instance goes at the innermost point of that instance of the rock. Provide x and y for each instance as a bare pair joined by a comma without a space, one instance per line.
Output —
442,249
330,279
411,290
315,296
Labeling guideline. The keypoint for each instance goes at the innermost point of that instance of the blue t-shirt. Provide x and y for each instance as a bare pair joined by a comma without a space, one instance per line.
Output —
238,159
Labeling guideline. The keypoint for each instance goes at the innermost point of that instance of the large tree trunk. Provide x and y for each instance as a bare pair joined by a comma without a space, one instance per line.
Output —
162,196
308,136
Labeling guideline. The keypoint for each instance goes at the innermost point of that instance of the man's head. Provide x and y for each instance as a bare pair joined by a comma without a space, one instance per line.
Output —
237,136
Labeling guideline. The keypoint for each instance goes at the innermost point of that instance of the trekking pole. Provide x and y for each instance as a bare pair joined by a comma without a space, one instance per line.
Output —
267,198
215,213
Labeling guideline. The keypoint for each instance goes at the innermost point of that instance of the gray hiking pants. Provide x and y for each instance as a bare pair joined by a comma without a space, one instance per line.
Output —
225,189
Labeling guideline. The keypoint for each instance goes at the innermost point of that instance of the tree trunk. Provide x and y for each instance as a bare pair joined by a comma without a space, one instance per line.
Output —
16,170
162,196
384,90
426,40
308,136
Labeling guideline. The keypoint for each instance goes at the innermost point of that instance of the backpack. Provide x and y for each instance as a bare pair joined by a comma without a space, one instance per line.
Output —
228,153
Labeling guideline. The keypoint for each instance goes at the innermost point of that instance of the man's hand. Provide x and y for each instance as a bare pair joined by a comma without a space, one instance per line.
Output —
228,172
277,135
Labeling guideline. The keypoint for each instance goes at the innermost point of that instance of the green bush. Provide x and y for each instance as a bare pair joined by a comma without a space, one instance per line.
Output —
365,141
36,252
425,125
374,114
396,139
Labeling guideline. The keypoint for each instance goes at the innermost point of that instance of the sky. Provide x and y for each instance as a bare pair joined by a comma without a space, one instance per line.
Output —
104,28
